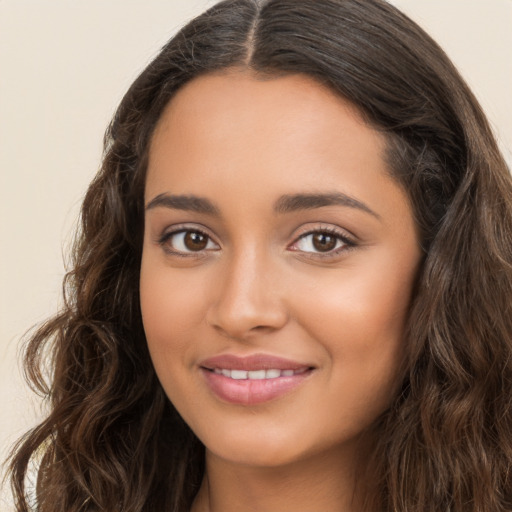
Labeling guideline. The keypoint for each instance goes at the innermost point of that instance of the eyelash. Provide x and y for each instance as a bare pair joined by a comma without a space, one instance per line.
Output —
164,239
347,242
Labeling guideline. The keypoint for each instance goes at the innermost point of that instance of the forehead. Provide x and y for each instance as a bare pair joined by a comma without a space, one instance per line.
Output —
243,143
241,120
299,92
216,95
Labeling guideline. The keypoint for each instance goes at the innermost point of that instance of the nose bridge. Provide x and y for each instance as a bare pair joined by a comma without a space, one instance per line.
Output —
248,297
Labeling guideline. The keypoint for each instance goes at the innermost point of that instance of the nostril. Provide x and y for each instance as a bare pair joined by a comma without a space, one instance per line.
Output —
243,322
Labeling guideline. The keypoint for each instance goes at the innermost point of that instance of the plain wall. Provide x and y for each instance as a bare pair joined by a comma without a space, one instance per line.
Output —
64,66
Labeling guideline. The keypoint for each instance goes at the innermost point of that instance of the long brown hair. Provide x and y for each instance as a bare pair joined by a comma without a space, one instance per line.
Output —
113,441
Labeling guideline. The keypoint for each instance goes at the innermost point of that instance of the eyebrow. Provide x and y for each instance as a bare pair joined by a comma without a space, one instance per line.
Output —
285,204
295,202
188,203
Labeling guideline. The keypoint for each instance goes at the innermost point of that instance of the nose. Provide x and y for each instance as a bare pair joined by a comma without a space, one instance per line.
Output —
248,298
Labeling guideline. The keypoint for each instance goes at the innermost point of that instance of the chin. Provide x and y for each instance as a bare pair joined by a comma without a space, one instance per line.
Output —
274,446
258,446
256,455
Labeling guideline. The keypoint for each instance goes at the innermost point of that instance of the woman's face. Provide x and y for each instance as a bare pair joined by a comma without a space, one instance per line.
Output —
278,262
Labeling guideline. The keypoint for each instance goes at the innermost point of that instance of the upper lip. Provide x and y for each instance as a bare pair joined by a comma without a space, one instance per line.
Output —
251,363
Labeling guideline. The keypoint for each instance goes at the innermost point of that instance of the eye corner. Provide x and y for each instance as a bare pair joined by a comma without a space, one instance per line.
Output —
311,249
187,241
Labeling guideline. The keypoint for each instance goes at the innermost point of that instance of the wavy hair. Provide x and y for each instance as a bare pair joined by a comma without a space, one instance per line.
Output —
113,441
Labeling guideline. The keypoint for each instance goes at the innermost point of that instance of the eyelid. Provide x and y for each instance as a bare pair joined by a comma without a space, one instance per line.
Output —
173,230
348,240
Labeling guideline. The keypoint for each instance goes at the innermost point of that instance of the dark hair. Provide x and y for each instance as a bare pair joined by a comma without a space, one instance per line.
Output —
113,441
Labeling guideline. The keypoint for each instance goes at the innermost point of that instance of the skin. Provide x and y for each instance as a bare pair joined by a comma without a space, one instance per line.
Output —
260,285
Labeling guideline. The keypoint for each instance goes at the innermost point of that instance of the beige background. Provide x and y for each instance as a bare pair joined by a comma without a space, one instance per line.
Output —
64,65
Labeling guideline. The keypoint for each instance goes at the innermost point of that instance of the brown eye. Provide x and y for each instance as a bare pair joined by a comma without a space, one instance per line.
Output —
195,241
188,241
324,242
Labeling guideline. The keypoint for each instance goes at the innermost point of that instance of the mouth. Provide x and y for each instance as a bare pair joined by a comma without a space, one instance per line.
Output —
254,379
271,373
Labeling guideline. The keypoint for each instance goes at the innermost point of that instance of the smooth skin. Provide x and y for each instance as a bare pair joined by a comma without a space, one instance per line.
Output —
241,269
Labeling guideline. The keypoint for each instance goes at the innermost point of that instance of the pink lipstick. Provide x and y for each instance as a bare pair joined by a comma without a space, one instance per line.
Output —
254,379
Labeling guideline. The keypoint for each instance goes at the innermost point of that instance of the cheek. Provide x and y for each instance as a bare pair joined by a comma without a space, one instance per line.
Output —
171,310
364,306
358,316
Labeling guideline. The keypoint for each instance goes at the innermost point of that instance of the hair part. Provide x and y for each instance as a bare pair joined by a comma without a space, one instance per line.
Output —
113,441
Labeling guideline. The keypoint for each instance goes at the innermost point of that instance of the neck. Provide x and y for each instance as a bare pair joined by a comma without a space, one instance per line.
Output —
325,482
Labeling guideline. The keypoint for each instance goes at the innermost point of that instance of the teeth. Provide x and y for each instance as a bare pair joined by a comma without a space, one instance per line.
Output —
256,374
238,374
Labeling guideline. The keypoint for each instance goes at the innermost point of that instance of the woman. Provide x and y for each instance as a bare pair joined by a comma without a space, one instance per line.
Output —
292,285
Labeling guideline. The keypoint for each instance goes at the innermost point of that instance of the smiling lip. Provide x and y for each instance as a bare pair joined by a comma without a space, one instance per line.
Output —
254,379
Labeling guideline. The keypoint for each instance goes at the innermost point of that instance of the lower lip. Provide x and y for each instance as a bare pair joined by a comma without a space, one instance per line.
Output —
252,391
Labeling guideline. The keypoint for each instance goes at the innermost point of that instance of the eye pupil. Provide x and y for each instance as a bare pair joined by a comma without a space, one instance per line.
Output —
195,241
324,242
